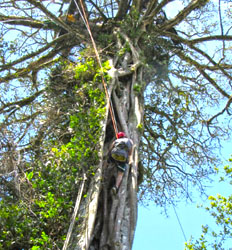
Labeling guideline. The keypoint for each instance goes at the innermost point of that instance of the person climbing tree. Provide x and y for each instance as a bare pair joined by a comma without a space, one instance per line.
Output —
120,154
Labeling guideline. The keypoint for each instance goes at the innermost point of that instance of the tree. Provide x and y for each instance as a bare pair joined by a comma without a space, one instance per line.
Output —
57,124
221,210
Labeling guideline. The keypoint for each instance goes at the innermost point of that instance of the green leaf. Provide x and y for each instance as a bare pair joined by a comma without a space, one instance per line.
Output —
29,175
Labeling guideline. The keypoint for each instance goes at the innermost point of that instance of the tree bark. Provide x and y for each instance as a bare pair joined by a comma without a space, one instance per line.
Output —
107,221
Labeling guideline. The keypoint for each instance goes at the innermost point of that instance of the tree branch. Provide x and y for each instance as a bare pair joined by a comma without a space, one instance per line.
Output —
190,43
221,112
26,118
33,54
162,113
120,115
99,10
221,26
36,65
200,69
212,61
15,20
216,66
122,9
152,10
137,4
211,38
58,21
183,14
21,103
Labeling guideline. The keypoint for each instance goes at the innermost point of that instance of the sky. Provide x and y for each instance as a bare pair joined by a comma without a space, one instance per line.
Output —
155,231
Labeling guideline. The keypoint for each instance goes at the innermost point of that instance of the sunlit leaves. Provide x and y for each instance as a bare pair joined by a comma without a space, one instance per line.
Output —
52,181
219,236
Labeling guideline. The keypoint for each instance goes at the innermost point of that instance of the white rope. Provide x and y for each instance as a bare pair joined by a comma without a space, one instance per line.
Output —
74,215
81,13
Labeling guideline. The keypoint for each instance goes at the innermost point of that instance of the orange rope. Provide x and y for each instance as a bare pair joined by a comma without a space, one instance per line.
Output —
99,62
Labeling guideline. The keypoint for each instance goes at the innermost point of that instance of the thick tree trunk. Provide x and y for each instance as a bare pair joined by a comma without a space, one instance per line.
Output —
107,221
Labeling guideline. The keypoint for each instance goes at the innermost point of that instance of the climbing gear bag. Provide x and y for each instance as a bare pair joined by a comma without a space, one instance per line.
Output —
119,155
119,152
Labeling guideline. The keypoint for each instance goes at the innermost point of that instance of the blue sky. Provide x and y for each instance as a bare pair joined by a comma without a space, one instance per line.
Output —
155,231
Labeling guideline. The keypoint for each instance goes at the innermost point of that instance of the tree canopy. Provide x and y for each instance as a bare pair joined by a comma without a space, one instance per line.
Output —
167,67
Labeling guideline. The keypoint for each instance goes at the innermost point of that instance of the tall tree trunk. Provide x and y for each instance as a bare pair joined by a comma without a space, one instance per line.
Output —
108,221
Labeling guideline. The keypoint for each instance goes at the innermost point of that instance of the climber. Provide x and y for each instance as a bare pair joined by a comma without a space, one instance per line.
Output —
120,154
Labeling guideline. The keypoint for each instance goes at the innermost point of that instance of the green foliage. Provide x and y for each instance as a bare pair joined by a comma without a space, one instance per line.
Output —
138,87
221,210
130,23
124,49
105,39
90,70
40,216
140,127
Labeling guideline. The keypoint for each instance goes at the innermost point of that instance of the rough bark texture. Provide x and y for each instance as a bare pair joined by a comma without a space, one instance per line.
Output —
108,221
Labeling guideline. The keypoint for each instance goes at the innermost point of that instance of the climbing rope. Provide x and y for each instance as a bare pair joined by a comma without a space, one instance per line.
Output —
74,215
178,219
85,20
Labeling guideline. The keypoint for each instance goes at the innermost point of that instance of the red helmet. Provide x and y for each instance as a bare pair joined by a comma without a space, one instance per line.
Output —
121,134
